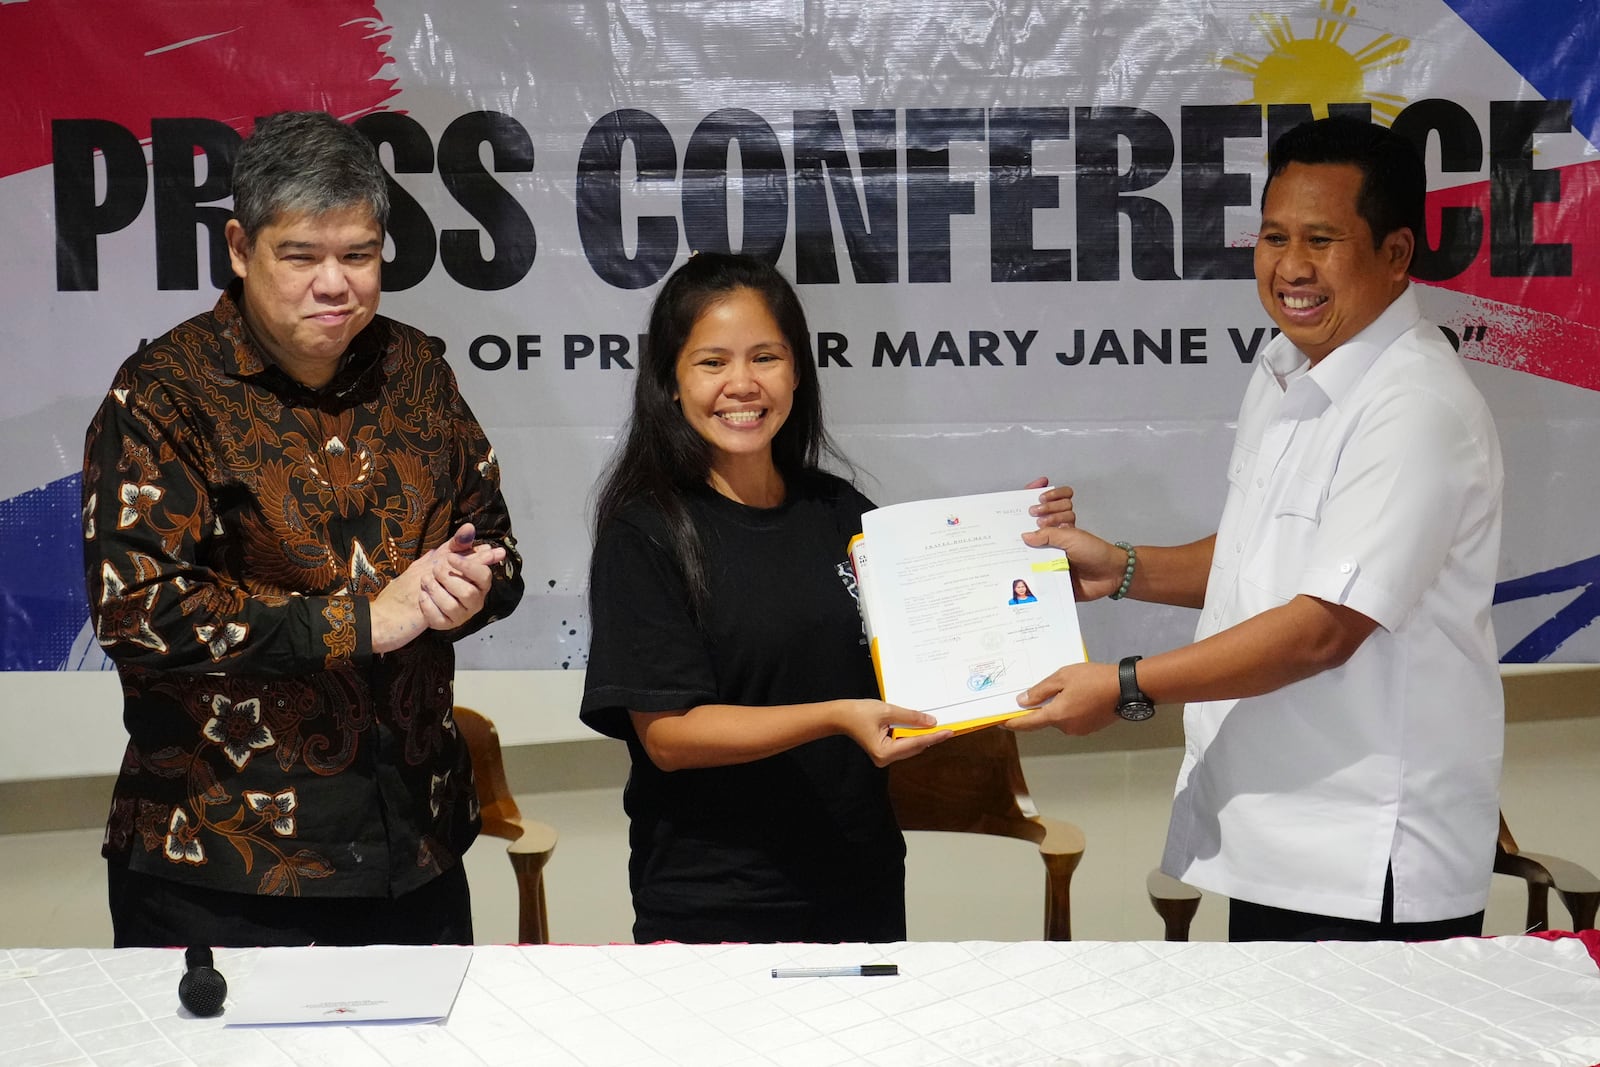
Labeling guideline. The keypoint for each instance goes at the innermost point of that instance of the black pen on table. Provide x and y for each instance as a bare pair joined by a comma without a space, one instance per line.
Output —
859,970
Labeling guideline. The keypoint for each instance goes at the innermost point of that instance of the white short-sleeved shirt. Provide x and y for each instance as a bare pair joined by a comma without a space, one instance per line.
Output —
1371,480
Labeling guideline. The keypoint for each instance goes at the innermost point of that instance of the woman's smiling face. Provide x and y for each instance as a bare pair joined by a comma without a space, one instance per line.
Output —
736,378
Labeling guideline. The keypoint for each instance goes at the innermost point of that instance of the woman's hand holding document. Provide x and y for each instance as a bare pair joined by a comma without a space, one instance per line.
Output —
961,614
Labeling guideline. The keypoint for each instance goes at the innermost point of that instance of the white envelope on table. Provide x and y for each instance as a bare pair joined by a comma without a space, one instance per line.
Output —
378,983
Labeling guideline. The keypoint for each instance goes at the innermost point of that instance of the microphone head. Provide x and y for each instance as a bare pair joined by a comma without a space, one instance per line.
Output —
202,989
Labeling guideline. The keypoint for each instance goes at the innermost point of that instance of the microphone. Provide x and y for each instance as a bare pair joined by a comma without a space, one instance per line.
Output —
201,989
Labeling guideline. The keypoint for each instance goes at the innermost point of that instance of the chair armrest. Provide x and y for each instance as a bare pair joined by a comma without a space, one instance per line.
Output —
536,837
1176,902
1061,849
1578,888
1061,838
1565,876
1518,865
1162,886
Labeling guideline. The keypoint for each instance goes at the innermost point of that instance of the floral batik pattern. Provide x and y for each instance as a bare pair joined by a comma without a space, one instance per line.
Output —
236,527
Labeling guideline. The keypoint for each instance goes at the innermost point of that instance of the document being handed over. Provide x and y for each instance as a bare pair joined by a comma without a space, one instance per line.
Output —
961,614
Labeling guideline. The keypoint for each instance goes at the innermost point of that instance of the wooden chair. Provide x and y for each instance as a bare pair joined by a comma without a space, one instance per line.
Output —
1177,902
1578,889
531,842
974,784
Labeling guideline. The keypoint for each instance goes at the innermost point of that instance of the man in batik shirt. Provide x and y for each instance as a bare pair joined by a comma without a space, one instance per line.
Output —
290,514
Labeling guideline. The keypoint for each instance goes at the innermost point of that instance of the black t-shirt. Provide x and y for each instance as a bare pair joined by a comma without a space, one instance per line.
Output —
801,846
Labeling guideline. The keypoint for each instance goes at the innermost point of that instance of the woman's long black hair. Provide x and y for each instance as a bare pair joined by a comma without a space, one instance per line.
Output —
662,458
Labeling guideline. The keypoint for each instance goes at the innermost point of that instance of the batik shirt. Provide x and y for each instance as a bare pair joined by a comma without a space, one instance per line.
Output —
237,525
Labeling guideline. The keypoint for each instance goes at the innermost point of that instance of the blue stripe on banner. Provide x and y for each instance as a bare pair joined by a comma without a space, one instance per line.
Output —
1580,614
42,601
1553,44
1549,636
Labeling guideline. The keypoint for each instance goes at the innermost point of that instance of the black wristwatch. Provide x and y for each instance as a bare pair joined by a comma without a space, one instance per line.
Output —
1134,705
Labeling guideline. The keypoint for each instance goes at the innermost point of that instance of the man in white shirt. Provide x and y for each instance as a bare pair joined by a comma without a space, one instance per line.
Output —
1344,717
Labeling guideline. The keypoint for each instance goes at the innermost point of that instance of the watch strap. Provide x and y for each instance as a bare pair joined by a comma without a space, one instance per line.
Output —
1132,704
1128,680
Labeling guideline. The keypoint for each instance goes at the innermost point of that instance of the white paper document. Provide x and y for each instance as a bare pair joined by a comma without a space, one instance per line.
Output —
379,983
961,613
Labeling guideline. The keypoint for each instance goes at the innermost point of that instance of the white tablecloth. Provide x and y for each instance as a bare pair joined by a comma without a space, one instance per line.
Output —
1509,1000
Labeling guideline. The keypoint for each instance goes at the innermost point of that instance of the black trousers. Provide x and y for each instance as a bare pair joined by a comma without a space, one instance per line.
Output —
151,912
1259,922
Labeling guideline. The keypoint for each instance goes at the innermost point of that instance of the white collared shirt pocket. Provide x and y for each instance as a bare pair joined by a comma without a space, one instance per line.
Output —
1284,546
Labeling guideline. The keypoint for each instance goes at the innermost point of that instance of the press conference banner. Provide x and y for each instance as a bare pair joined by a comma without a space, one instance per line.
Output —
1022,231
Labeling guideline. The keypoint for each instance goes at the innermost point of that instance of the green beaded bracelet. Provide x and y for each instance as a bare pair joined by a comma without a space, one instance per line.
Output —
1127,574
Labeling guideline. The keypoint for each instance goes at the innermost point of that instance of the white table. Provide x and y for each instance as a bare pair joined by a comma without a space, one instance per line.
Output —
1499,1000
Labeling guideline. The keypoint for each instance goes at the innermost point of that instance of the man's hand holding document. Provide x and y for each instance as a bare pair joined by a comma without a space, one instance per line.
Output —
961,614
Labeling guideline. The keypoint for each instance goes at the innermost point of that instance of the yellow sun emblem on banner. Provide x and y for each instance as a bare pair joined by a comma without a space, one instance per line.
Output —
1318,70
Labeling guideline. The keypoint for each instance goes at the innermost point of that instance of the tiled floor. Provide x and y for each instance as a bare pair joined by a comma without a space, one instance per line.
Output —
960,887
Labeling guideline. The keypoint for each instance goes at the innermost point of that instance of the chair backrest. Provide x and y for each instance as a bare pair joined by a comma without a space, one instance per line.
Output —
500,810
974,784
532,842
969,784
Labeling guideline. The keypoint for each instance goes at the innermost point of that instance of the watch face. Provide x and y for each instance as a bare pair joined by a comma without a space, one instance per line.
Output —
1135,710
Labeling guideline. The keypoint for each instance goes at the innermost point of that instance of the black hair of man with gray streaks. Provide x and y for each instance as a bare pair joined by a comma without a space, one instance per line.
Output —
305,162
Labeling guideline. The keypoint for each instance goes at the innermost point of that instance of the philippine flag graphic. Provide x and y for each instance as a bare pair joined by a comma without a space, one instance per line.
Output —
1538,312
1547,325
1533,306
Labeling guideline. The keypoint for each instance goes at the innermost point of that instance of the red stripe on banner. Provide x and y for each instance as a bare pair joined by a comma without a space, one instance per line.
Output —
1546,326
1535,342
133,61
1572,220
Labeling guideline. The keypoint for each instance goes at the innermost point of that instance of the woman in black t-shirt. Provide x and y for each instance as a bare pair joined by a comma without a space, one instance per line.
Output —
726,648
